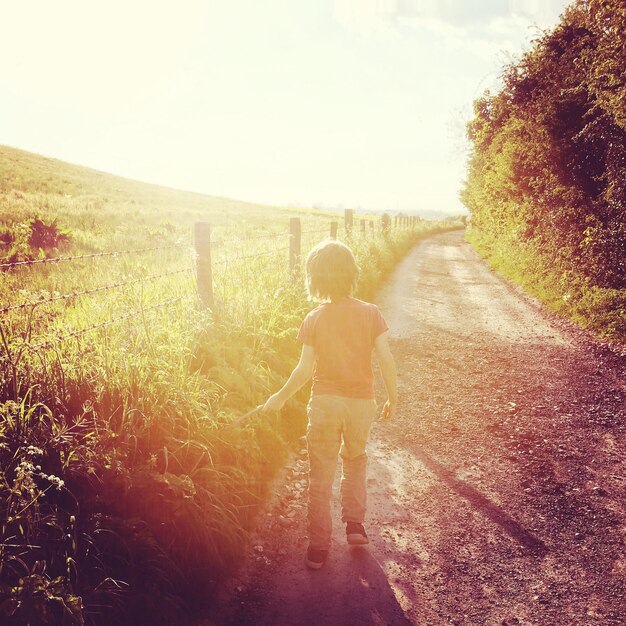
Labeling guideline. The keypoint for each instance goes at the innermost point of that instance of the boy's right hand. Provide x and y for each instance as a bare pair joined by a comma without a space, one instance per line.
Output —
273,403
389,411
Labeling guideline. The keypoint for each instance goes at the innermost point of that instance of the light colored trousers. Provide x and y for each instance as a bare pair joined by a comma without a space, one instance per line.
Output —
337,423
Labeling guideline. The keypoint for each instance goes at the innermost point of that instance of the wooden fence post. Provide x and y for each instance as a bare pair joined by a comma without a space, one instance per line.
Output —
295,241
349,219
204,272
333,230
385,223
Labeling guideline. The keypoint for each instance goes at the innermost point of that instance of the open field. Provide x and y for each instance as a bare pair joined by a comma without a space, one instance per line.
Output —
123,477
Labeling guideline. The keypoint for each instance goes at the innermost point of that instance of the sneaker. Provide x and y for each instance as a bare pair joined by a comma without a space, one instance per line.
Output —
355,534
315,558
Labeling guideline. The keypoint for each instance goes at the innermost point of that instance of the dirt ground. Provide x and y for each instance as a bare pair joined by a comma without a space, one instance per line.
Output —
497,494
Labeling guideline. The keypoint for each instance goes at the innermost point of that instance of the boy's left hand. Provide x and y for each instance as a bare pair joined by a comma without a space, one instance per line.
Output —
273,403
389,411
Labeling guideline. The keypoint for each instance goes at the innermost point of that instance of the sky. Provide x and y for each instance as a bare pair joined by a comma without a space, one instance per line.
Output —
331,103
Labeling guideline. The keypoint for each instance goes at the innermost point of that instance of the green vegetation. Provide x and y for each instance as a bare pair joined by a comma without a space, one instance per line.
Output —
127,488
546,184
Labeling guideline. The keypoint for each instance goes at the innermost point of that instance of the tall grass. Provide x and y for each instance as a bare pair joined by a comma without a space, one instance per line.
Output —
127,489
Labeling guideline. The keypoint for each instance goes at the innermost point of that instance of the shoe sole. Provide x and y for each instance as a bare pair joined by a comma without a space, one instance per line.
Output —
313,564
357,540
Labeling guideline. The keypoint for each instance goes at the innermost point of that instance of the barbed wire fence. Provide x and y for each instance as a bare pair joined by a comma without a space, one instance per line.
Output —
226,273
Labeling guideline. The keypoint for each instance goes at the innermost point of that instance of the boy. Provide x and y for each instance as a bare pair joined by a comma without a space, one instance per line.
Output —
337,342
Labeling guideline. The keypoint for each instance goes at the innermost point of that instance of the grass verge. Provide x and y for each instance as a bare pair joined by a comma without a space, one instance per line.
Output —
600,310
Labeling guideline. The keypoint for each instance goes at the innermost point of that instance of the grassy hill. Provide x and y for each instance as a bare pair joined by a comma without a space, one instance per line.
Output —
28,173
106,211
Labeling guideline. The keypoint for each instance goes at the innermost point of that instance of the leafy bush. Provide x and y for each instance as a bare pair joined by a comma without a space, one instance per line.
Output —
40,455
34,238
47,236
547,173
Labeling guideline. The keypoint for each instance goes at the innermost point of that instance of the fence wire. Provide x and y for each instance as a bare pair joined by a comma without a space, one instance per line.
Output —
234,259
242,240
76,294
92,255
112,320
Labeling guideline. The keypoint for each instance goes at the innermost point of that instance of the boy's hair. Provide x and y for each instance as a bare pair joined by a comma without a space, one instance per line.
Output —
331,271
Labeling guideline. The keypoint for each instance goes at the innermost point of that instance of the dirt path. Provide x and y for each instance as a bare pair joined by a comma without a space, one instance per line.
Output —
496,497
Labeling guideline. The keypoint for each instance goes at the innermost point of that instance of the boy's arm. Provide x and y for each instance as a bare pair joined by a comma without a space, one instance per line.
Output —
300,376
388,370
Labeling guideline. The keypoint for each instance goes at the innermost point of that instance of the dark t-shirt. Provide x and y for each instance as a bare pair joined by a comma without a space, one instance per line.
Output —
342,334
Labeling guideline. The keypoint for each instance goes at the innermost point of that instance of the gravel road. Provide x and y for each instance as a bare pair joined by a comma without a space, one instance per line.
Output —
496,496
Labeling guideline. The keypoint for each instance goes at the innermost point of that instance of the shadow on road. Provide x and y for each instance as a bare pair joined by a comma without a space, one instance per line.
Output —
360,593
481,503
351,590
